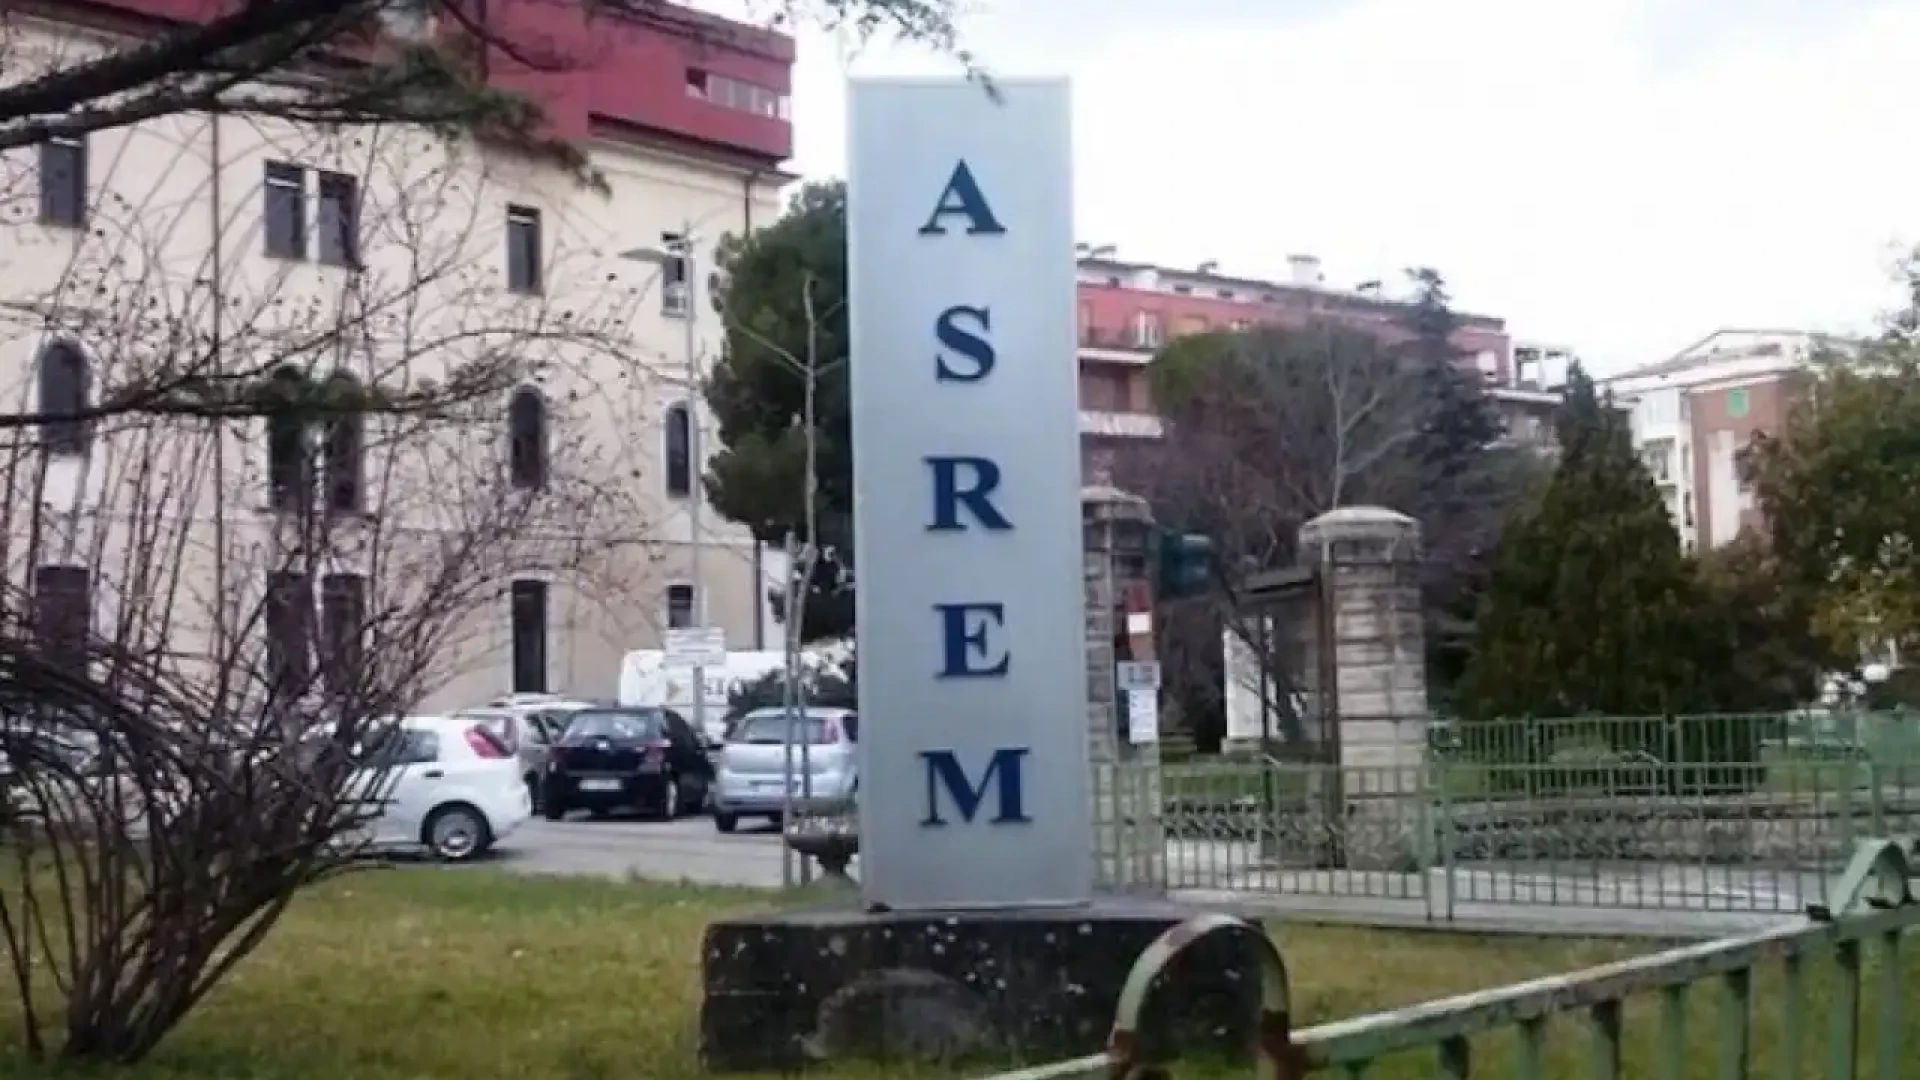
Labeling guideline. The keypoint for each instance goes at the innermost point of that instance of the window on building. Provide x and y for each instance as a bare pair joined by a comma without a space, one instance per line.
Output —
345,447
679,451
63,182
1183,289
1737,402
524,269
676,294
1104,389
529,615
1147,330
289,626
286,210
62,615
289,457
679,607
1193,324
343,628
527,440
64,378
339,219
1658,454
732,93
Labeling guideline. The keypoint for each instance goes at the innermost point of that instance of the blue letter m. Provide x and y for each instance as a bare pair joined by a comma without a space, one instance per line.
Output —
945,771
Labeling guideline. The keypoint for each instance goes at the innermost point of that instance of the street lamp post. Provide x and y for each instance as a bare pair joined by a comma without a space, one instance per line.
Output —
678,249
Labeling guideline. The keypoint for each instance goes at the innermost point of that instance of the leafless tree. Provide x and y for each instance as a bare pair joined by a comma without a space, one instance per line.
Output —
1269,428
253,511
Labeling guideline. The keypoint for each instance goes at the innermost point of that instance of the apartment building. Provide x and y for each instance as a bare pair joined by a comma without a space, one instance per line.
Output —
1128,310
1694,413
376,256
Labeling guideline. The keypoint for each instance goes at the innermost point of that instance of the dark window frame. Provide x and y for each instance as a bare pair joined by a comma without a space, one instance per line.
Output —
526,271
62,609
677,451
527,439
682,616
527,620
65,383
343,464
676,293
288,619
343,630
284,196
289,443
337,219
63,182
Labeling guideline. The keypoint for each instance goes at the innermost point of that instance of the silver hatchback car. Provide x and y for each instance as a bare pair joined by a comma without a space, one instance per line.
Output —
757,761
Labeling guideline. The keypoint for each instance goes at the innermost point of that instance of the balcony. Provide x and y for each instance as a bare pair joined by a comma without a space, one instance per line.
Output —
1114,346
1120,425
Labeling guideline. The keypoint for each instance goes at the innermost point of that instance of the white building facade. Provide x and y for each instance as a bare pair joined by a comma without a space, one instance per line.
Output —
392,260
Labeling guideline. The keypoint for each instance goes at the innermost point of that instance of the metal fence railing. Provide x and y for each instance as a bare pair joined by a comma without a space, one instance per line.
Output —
1735,813
1819,996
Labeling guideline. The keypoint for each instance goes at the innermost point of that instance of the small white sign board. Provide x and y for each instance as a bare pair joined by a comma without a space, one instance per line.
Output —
1137,675
1143,716
696,647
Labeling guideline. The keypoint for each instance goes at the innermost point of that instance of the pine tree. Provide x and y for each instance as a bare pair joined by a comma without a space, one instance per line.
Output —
1592,608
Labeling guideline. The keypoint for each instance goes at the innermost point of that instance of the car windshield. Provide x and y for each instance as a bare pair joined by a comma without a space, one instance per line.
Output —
617,726
770,729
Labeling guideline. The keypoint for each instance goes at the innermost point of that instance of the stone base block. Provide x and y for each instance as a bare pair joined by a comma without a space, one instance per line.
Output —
830,982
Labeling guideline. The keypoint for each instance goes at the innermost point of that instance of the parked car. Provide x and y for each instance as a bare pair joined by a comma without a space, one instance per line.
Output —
616,757
444,783
529,724
754,764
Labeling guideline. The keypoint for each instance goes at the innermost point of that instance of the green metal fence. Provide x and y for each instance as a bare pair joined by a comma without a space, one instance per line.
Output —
1730,813
1792,1002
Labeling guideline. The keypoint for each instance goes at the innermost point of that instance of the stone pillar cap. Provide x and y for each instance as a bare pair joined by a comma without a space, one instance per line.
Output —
1358,522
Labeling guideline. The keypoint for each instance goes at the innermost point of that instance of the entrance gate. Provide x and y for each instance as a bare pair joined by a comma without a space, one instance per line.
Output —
1817,969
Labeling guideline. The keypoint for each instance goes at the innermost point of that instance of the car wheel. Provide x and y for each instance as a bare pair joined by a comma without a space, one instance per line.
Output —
456,833
725,822
670,799
554,810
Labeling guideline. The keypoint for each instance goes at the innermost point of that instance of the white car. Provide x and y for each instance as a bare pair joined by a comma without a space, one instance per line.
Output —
448,784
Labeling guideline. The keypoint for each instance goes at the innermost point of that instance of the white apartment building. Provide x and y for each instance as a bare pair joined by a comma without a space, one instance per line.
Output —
392,263
1694,414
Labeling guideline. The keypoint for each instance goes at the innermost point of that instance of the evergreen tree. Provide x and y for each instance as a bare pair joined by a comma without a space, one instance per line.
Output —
758,390
1592,607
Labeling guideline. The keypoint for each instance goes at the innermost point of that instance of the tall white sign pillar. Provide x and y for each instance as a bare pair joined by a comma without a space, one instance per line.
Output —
974,772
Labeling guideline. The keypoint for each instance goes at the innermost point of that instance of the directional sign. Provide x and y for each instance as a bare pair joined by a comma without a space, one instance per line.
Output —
1137,675
696,646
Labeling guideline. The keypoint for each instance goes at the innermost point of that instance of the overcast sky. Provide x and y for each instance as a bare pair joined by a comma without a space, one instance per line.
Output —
1619,176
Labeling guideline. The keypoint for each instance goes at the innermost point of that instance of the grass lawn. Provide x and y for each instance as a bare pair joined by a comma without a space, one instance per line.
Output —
420,973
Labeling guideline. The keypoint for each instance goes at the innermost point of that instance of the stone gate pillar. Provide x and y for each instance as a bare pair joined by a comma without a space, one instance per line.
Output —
1371,558
1129,841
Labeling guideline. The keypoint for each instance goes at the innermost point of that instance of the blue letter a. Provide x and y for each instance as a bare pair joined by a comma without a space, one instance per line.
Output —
962,196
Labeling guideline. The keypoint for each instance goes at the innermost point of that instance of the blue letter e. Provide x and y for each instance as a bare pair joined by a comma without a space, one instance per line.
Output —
963,640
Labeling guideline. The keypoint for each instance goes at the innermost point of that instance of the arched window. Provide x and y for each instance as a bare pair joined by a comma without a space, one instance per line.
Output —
289,457
527,440
346,440
64,389
679,451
